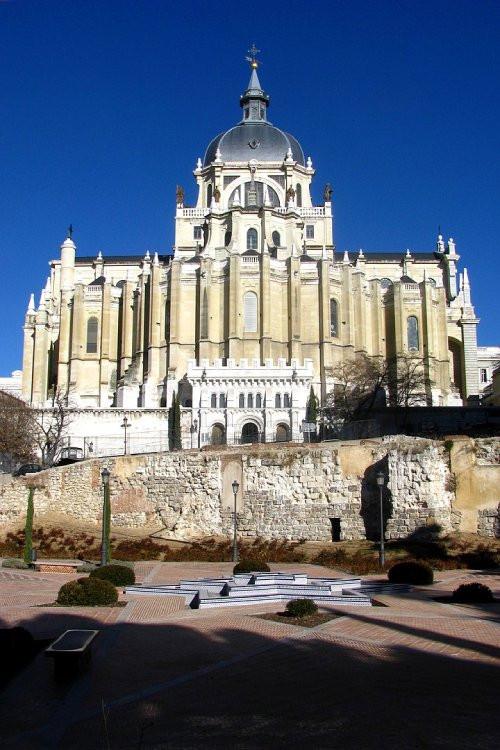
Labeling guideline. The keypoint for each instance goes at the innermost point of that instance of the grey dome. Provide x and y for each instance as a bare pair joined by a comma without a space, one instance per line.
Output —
268,143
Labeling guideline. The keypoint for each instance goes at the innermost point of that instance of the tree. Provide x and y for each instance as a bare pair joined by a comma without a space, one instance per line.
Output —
28,529
363,383
358,388
175,420
16,431
50,426
407,381
312,407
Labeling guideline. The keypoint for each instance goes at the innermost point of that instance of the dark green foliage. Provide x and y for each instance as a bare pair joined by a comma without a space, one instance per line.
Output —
28,529
71,594
107,524
301,607
13,562
87,592
119,575
312,407
175,422
473,592
251,566
417,573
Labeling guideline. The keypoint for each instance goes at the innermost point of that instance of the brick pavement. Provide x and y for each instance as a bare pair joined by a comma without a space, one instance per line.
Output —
412,674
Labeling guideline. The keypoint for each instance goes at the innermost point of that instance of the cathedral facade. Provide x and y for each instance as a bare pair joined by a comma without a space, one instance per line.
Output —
253,307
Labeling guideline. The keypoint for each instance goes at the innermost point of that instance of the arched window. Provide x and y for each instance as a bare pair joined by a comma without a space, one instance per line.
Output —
334,318
209,194
282,434
167,321
286,401
92,326
276,238
385,283
258,401
250,401
204,316
241,401
218,435
412,329
258,187
213,400
298,194
250,312
252,239
222,401
277,401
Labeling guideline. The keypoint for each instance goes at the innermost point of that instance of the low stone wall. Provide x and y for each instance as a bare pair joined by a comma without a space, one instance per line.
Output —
315,492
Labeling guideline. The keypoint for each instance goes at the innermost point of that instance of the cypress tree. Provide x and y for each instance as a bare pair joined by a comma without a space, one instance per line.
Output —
312,407
107,522
28,529
175,415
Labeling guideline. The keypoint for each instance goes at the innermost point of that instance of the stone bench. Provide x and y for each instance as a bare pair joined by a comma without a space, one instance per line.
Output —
71,652
57,566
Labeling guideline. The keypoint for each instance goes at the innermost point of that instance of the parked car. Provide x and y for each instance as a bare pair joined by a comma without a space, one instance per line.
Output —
69,455
26,469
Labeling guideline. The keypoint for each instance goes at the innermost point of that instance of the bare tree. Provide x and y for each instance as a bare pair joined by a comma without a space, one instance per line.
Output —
50,427
407,381
363,383
359,386
16,431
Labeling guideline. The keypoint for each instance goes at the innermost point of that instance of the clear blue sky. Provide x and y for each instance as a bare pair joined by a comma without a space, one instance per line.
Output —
108,103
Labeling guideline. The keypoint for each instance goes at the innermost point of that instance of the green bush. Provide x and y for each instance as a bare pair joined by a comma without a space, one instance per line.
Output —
86,567
13,562
251,566
87,592
417,573
119,575
301,607
72,594
473,592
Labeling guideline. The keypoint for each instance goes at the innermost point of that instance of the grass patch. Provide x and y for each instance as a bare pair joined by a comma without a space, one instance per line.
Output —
307,621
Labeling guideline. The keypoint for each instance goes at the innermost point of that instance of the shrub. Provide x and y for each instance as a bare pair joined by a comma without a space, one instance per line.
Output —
87,592
71,594
301,607
119,575
251,566
411,572
13,562
473,592
86,568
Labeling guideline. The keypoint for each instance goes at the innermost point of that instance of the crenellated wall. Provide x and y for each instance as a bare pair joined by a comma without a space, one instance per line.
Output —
314,492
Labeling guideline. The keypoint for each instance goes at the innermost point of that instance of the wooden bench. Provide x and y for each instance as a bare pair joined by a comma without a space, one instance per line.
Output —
71,652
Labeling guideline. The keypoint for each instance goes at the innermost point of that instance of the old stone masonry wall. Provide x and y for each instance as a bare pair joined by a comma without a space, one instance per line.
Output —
314,492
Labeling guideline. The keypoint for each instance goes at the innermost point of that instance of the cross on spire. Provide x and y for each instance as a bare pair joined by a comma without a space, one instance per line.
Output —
252,60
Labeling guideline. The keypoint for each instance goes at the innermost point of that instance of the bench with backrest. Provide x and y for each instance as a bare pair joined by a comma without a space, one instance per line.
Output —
71,652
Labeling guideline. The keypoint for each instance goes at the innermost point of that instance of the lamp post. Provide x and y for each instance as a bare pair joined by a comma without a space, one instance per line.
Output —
380,478
236,487
125,424
104,545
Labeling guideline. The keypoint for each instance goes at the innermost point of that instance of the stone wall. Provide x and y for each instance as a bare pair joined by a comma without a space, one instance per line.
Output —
314,492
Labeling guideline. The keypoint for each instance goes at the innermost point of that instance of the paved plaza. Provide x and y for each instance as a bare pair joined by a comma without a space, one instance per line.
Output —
412,674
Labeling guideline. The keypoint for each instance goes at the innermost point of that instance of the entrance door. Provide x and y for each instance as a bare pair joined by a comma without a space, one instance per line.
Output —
249,433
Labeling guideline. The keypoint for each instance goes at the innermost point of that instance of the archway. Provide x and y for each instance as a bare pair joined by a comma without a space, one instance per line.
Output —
282,434
456,364
218,436
249,433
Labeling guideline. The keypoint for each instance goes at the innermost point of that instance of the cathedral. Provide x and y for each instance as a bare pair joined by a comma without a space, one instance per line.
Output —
253,307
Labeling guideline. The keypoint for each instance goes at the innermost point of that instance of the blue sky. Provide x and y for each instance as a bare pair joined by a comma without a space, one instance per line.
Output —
108,103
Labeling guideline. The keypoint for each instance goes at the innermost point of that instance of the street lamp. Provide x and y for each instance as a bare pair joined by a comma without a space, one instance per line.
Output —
104,545
236,487
380,478
125,424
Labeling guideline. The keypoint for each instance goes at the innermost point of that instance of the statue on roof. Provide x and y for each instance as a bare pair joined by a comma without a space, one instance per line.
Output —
179,195
327,194
70,232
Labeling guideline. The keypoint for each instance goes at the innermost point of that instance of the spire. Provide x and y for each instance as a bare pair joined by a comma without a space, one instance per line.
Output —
31,305
254,101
